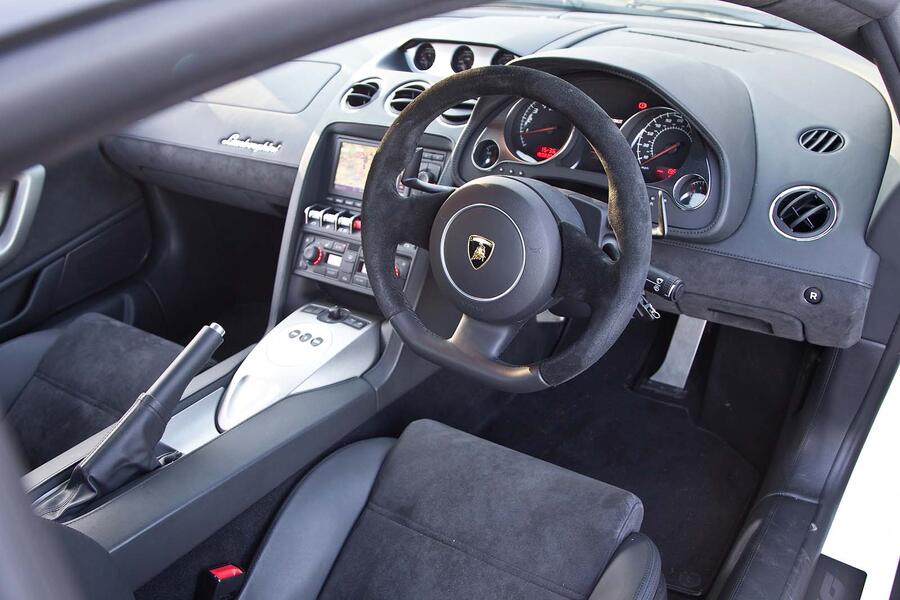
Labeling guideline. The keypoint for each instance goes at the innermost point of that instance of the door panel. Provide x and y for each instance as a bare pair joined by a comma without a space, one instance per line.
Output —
90,230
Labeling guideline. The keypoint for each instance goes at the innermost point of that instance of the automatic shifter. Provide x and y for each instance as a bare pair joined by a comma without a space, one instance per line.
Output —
130,449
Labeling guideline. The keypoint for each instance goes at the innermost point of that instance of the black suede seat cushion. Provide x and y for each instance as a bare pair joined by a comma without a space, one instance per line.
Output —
85,382
454,516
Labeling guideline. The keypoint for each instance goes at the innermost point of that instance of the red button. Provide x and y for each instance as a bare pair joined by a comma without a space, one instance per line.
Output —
226,572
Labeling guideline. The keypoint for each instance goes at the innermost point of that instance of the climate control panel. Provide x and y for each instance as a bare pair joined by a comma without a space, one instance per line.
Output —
332,253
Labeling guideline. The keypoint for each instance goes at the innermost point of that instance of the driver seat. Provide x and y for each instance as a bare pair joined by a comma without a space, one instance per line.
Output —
440,514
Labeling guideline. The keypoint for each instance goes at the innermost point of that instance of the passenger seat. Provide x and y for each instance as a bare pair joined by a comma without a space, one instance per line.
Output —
60,386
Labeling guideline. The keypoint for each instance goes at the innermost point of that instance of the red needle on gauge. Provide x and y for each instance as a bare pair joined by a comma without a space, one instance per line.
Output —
668,150
541,130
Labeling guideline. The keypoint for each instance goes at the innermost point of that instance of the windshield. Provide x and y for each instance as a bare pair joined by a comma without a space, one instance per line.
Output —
714,11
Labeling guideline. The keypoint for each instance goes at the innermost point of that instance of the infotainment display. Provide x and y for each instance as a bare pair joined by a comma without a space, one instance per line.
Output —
354,160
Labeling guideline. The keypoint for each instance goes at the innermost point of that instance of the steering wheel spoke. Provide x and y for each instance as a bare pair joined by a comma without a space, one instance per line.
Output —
588,274
413,217
486,339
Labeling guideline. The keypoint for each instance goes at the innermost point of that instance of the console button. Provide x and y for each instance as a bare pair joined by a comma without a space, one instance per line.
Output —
305,337
344,277
355,323
339,247
316,341
312,309
331,272
294,333
361,280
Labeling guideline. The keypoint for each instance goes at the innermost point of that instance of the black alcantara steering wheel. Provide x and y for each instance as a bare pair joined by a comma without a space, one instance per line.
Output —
505,248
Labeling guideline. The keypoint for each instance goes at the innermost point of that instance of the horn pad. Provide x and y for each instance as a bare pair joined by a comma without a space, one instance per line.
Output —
495,248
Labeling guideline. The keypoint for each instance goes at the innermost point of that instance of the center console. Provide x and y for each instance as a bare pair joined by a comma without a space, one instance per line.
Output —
330,247
313,347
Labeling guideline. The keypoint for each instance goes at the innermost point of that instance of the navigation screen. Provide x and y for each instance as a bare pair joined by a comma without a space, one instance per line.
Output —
354,160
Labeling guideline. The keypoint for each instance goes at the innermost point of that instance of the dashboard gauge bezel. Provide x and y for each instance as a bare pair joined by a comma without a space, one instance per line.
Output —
463,48
512,127
680,182
654,113
424,47
496,130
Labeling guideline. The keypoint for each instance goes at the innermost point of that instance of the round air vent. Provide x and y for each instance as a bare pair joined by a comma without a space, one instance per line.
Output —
803,213
361,93
460,113
403,95
821,140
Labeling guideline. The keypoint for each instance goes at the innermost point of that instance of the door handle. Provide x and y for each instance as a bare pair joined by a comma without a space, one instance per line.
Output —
18,205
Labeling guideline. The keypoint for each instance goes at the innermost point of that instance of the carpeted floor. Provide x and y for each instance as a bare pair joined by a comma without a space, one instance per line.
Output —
695,488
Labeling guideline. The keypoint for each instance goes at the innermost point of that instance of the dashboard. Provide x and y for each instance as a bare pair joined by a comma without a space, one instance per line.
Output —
767,148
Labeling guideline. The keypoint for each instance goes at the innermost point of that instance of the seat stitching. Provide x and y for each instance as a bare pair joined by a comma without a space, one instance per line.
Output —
76,394
650,570
480,555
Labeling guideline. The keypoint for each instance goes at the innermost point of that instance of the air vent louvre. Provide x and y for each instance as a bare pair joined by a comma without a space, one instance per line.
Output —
822,140
361,93
804,213
403,95
459,114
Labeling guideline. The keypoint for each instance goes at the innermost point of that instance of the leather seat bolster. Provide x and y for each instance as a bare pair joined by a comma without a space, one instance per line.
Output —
634,573
20,358
314,523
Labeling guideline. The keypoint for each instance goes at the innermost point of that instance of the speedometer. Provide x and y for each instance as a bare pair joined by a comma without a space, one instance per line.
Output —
661,143
536,132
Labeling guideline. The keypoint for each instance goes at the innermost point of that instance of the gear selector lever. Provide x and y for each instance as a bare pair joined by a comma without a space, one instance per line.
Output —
130,449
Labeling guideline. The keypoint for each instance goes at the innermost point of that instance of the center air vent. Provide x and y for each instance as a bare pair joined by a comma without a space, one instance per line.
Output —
403,95
822,140
804,213
460,113
361,93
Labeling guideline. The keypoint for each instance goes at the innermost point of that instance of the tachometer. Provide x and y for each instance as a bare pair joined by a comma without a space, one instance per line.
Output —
661,143
536,132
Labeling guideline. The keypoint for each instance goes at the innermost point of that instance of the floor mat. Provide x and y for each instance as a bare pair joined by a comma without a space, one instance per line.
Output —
695,488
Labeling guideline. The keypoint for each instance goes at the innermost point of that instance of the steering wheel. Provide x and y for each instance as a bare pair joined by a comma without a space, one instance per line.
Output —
504,248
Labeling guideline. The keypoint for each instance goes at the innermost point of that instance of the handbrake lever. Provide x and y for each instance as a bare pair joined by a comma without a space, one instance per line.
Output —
130,448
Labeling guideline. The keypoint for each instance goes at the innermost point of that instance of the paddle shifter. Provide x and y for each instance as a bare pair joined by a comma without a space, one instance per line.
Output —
130,449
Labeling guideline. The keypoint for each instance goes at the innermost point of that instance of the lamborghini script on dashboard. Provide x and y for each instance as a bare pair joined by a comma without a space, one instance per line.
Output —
234,140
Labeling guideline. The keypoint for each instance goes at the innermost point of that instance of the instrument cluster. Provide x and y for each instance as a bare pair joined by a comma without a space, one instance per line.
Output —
528,137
